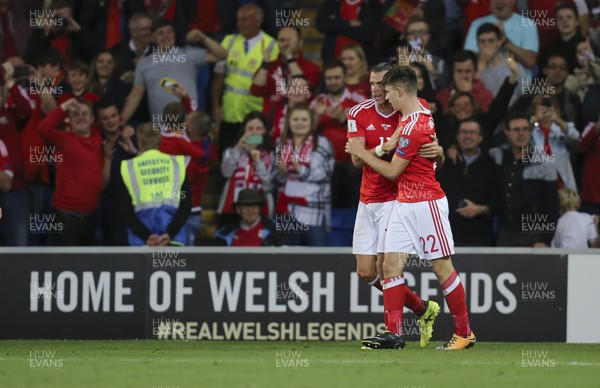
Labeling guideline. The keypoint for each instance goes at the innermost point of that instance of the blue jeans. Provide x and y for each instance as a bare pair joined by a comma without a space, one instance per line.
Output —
15,217
192,226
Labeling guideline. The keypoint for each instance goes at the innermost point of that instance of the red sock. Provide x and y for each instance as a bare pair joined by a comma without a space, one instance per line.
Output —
376,283
393,303
413,301
454,293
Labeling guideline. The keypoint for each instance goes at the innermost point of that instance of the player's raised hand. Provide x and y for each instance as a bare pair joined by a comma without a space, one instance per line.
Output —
354,147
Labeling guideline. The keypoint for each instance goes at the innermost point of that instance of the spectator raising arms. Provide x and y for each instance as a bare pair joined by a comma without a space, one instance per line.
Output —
274,77
167,60
555,136
79,178
304,169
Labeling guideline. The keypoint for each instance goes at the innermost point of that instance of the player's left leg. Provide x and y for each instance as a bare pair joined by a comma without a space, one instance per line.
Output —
454,292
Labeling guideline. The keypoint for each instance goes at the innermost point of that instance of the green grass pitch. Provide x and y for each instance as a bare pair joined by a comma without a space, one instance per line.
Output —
152,363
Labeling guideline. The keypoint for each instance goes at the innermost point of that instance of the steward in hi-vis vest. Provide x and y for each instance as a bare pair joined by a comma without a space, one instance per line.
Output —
156,199
230,89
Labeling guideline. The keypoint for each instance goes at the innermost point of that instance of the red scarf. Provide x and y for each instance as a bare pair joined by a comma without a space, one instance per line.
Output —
244,177
290,154
548,150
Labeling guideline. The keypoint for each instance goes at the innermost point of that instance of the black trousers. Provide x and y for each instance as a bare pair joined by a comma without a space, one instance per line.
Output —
72,230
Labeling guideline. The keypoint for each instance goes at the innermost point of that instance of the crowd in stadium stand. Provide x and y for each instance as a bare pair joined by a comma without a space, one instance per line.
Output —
513,85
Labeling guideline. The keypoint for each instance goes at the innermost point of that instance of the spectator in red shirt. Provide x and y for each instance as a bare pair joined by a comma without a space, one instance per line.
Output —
79,177
332,108
589,146
253,229
15,110
6,169
78,84
296,92
201,131
272,78
463,80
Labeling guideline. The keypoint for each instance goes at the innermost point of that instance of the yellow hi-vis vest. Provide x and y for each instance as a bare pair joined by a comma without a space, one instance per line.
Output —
237,100
154,181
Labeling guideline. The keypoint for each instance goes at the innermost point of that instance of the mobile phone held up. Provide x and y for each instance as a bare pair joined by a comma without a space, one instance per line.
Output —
168,84
254,140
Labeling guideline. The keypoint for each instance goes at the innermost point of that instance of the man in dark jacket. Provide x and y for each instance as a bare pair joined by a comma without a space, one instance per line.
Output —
469,181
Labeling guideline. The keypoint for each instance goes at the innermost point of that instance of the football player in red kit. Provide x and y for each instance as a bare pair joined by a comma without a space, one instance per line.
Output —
373,122
419,220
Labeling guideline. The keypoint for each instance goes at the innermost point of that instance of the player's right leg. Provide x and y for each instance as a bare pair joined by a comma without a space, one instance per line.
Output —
397,242
364,245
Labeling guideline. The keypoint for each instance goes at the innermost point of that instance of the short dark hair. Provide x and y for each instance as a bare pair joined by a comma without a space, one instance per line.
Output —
465,55
470,120
514,115
402,75
334,64
160,23
562,6
51,57
546,58
105,103
486,28
256,115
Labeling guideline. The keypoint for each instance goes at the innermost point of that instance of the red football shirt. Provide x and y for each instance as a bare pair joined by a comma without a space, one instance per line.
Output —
251,237
417,183
331,127
365,120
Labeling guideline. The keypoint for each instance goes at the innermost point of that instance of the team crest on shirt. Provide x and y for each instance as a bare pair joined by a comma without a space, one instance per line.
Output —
403,143
352,126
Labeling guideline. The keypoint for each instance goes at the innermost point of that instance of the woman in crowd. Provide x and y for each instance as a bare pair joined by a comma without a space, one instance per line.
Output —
357,69
304,168
248,165
105,81
297,92
587,71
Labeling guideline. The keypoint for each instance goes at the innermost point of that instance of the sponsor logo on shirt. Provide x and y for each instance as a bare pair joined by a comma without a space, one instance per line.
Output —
371,127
